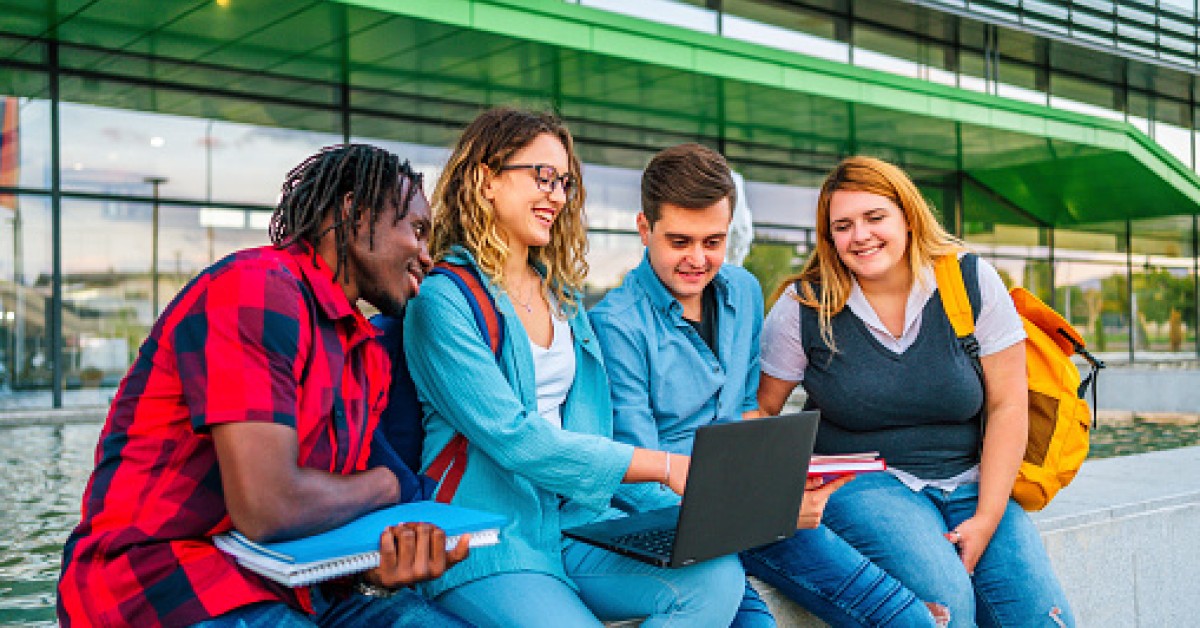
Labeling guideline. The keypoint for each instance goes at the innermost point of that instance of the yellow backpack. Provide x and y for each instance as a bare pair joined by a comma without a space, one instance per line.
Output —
1059,421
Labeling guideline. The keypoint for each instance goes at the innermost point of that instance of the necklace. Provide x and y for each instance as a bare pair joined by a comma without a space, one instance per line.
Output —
527,303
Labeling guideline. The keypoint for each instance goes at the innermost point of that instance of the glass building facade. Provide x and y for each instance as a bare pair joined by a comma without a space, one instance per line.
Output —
142,142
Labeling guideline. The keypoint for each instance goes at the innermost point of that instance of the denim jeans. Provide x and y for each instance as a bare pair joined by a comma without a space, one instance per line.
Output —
753,612
609,587
832,580
405,609
901,530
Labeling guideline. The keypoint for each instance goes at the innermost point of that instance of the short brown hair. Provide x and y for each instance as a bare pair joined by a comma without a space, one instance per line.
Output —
691,176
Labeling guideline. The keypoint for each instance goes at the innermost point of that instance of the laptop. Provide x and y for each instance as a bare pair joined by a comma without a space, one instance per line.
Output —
744,489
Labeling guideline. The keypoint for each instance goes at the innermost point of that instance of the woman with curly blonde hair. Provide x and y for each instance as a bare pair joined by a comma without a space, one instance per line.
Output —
862,328
537,416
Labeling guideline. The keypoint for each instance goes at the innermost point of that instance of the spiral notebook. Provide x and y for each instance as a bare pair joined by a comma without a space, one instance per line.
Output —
354,547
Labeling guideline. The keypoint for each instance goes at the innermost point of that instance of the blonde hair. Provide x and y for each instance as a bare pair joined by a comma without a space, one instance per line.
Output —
462,216
824,281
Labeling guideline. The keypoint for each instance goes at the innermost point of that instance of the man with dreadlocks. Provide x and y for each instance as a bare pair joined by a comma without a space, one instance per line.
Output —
251,406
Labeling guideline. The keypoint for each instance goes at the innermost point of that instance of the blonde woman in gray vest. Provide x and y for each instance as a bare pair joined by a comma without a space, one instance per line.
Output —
861,329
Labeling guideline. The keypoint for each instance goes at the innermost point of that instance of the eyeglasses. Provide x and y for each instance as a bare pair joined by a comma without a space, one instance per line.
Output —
547,178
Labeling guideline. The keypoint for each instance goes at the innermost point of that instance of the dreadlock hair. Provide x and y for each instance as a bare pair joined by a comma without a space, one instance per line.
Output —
371,176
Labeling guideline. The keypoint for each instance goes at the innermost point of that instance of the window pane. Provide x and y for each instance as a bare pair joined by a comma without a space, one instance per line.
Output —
1139,109
109,282
772,262
25,357
800,19
1091,97
971,71
790,27
886,51
1016,245
26,127
614,197
256,85
610,256
1021,82
113,151
666,11
1092,285
1163,289
779,37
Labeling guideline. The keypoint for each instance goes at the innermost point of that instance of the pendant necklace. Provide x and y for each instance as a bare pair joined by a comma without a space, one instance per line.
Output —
527,303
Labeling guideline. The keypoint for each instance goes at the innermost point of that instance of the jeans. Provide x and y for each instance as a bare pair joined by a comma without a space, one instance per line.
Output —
405,609
609,587
901,530
753,611
824,574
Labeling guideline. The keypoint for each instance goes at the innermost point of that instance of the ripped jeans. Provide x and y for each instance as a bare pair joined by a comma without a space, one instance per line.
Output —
832,580
901,530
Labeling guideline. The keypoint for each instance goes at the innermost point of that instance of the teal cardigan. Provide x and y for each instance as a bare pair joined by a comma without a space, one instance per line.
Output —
519,464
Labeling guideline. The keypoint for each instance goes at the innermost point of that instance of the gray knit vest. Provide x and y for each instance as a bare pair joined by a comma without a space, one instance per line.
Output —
918,409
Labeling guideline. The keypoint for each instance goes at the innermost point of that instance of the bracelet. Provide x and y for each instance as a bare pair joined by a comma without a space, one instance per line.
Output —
667,475
362,587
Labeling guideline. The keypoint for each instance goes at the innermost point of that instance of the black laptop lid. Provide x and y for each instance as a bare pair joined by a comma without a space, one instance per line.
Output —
745,485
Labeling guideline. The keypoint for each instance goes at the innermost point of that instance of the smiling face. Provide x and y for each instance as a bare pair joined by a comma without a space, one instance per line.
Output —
686,247
524,212
870,235
389,273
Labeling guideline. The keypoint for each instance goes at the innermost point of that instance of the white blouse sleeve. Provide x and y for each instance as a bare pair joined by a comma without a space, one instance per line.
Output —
782,352
998,326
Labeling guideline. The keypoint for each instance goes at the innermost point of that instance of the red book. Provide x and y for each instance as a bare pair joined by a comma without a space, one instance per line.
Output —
831,467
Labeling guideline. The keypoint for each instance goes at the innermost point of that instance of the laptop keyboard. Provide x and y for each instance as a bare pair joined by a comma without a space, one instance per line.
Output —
653,541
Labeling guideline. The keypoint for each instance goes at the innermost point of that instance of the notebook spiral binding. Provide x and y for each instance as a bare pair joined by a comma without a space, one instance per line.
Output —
266,563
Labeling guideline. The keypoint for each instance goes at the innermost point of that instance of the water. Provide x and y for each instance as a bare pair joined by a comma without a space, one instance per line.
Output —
44,470
42,474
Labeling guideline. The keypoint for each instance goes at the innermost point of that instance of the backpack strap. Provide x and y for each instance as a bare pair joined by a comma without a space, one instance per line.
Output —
450,464
1089,380
957,304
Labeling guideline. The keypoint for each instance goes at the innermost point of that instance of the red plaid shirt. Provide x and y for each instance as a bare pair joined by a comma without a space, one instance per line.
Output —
231,347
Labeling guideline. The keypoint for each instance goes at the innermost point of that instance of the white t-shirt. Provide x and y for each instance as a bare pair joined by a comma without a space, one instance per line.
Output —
554,369
998,327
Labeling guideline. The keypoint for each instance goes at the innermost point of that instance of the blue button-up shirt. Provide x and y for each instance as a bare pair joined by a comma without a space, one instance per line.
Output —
665,380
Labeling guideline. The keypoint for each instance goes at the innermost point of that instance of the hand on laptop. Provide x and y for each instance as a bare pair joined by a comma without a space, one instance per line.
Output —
677,478
816,495
414,552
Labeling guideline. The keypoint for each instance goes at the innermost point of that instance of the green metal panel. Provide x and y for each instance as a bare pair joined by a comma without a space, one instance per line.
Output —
629,86
1059,167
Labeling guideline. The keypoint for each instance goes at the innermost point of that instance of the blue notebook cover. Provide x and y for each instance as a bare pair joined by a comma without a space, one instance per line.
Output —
362,535
354,547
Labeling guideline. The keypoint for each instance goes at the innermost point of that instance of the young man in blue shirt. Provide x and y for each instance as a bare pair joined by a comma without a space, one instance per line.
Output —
680,338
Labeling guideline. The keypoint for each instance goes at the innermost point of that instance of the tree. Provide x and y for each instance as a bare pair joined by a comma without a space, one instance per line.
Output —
771,263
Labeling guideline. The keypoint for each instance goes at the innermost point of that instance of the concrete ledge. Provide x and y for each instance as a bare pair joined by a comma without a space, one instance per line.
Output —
1149,387
1124,539
53,416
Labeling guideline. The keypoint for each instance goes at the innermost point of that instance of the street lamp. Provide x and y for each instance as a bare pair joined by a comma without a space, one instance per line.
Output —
156,182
